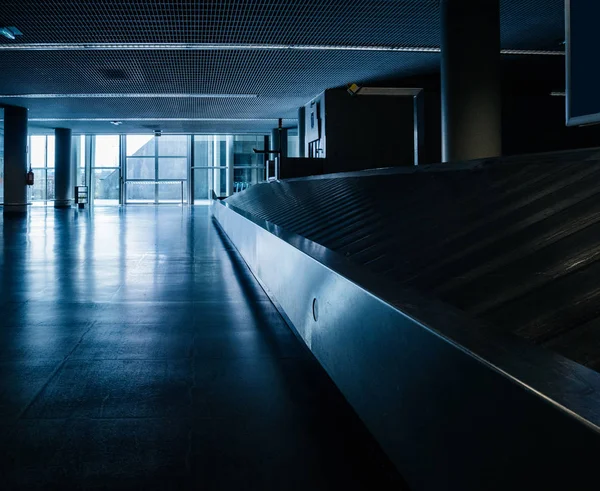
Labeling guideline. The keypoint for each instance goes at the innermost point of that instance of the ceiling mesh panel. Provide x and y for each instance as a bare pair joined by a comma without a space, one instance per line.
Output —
265,73
339,22
282,79
377,22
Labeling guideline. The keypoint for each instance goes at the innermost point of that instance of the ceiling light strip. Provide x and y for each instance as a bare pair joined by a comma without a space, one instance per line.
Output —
532,52
128,96
230,46
48,120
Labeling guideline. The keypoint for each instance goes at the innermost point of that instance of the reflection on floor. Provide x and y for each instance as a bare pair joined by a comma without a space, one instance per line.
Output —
138,352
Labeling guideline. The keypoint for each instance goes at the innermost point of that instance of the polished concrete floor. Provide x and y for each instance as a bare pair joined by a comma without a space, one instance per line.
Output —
138,352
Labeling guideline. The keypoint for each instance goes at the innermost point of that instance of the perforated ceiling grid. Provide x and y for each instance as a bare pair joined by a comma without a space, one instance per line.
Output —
281,79
314,22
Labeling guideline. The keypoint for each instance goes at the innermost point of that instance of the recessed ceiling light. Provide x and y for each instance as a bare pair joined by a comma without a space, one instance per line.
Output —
10,32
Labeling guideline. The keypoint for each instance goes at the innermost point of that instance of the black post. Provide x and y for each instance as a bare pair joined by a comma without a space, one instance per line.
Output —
301,131
279,141
471,87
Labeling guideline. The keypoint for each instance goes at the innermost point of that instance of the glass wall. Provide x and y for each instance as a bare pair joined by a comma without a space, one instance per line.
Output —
226,164
209,166
156,168
249,167
41,161
79,158
293,143
149,169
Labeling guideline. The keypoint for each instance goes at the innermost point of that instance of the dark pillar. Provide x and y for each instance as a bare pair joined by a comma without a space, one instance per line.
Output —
15,159
266,146
63,170
470,70
301,132
279,141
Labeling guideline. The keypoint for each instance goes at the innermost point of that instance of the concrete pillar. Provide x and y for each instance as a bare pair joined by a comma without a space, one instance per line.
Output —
15,159
471,87
301,131
63,177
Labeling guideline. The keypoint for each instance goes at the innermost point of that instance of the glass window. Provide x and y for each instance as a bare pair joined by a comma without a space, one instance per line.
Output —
50,152
49,184
293,144
80,160
37,151
172,145
41,161
172,168
208,180
243,153
107,151
171,192
38,190
203,150
141,168
220,151
80,176
154,159
106,184
140,145
248,167
140,192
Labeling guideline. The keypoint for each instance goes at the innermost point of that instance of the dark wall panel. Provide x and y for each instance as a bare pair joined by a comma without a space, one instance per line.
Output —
365,132
536,123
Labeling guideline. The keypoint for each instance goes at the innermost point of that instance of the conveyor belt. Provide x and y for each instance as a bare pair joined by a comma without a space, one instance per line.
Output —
512,242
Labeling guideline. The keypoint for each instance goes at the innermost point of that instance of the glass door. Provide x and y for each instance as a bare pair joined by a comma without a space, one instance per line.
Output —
156,169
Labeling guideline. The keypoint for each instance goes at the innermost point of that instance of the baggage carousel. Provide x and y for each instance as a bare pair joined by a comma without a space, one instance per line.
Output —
457,308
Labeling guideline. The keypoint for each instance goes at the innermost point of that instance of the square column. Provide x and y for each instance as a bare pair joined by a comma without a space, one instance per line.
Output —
471,86
15,159
63,180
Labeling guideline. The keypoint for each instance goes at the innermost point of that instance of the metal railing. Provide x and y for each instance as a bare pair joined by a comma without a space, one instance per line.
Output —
143,182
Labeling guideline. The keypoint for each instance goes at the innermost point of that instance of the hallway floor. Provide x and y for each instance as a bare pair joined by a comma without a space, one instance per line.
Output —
137,351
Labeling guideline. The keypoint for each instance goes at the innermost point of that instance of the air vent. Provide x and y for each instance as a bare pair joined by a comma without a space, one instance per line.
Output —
113,73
